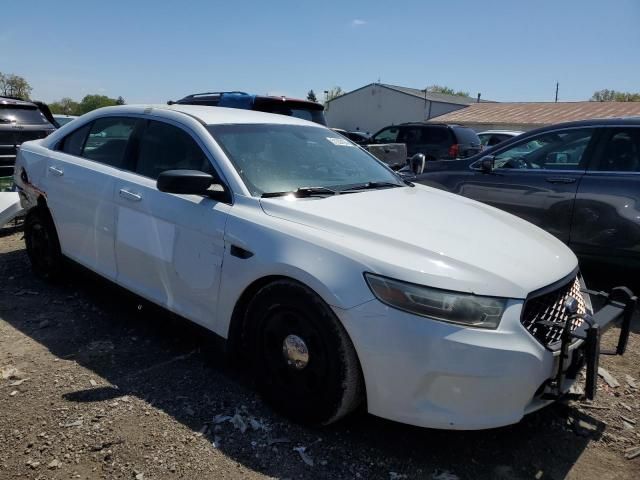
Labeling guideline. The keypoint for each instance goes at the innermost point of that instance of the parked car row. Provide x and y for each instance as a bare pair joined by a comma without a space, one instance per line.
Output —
305,254
434,141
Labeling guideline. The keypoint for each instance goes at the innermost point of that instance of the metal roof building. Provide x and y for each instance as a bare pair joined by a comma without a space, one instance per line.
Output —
530,115
377,105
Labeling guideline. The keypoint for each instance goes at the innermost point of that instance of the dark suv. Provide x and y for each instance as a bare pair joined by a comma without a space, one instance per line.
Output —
19,121
292,107
579,181
435,141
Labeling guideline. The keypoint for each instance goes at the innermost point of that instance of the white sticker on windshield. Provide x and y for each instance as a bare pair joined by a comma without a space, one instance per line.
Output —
341,142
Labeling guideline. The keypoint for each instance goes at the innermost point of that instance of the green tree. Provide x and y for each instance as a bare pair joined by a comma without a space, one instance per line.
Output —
91,102
446,90
333,93
614,96
120,101
65,106
311,96
14,86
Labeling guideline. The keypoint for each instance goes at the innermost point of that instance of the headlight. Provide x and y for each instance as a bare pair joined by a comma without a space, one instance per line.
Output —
447,306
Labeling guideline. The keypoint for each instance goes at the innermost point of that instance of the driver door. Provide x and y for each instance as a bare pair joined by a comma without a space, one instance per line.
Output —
169,247
536,179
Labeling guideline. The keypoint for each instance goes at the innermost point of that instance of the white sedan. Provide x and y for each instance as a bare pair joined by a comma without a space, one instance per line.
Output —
337,279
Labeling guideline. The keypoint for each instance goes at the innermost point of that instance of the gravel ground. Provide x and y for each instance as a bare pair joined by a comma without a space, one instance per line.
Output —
93,387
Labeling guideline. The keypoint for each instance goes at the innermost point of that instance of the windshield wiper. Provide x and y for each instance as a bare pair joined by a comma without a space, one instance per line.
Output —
303,192
370,186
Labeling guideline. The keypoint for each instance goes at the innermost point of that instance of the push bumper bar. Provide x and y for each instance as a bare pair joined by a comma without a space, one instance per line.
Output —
619,305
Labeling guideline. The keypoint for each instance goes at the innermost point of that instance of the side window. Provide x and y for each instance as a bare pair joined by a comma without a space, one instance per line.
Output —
557,150
73,143
621,151
108,140
388,135
166,147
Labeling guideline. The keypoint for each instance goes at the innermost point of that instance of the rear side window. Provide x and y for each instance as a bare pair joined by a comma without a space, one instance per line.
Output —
22,116
466,135
73,143
108,140
166,147
621,151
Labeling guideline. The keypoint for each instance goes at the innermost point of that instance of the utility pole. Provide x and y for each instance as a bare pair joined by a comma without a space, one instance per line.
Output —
557,85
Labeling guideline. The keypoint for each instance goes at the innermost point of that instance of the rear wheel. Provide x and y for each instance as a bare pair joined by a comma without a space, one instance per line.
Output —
43,246
305,364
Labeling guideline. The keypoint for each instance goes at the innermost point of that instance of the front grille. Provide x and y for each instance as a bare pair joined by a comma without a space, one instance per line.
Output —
549,307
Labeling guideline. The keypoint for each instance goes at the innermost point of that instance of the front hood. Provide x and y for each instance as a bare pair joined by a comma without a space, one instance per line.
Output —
430,237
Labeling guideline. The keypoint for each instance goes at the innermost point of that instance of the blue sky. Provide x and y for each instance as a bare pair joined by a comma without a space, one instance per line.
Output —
152,51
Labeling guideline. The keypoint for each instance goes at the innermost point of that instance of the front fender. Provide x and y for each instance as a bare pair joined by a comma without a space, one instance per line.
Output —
284,249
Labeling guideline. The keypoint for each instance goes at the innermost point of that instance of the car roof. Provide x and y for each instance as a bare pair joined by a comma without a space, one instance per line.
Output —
261,98
209,115
16,101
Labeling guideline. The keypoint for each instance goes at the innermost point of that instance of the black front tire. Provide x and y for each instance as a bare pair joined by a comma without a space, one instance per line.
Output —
330,385
43,246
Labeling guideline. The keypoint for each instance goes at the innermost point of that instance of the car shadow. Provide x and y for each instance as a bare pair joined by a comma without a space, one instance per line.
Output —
179,368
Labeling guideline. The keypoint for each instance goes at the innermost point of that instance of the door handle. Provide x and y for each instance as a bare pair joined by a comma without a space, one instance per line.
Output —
58,172
561,180
134,197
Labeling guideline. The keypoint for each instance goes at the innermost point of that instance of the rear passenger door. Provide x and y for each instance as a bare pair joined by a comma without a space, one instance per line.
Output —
79,186
606,222
169,247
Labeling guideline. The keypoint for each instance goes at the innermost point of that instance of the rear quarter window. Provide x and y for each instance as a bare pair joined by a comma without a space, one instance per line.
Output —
73,143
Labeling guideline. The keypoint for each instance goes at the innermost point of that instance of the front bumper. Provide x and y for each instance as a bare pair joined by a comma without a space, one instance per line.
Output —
438,375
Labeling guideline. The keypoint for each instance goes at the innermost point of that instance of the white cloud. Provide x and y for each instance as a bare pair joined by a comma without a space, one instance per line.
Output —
357,22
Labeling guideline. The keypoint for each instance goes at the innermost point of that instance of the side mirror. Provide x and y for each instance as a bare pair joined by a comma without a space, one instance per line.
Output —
190,182
417,163
486,163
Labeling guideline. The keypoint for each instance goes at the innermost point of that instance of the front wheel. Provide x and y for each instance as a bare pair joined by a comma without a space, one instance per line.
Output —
43,246
304,361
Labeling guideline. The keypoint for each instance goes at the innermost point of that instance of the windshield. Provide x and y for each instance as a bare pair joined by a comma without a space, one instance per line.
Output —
282,158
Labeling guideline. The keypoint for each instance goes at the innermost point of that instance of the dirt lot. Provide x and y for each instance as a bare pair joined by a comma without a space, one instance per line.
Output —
92,387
